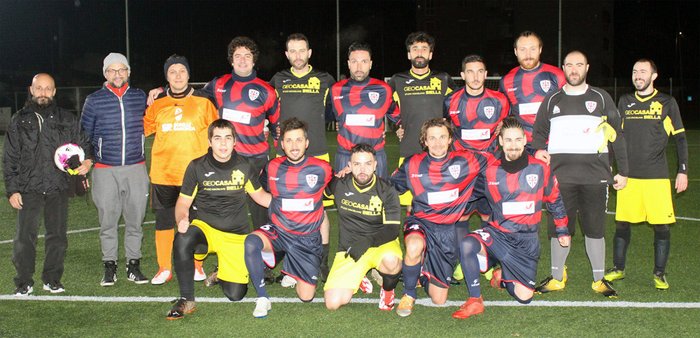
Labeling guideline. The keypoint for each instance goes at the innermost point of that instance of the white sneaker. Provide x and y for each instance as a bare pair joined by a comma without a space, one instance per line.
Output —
262,306
288,282
199,274
162,277
366,285
377,277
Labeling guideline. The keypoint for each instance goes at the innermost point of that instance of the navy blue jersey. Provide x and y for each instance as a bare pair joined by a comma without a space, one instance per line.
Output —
475,118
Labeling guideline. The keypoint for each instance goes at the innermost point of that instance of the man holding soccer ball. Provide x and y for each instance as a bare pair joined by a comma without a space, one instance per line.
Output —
35,186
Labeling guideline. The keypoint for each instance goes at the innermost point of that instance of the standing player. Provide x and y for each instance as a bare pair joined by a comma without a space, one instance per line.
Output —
179,118
649,118
359,105
216,184
526,86
518,184
304,93
574,125
296,183
369,216
442,182
419,92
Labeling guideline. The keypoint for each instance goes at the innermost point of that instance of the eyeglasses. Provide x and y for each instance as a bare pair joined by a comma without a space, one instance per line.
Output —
121,71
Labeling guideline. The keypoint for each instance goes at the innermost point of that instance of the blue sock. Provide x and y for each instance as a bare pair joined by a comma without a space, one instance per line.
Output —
470,247
254,262
410,279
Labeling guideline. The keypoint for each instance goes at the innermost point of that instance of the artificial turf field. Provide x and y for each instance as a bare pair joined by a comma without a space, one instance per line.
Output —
87,309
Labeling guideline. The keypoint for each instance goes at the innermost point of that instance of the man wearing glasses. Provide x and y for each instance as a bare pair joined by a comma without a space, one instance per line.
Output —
113,119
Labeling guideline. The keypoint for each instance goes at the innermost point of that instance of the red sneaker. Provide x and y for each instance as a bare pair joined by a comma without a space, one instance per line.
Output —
473,306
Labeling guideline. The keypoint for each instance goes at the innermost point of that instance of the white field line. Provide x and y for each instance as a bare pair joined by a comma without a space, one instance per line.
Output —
8,241
424,302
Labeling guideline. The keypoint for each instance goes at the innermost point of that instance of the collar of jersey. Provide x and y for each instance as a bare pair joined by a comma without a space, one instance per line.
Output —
299,76
250,77
419,77
302,162
369,185
224,165
645,98
359,83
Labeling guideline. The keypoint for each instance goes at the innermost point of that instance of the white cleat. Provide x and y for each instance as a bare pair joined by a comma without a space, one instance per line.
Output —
262,307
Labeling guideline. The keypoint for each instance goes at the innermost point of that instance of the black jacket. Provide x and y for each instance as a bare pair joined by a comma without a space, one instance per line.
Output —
32,137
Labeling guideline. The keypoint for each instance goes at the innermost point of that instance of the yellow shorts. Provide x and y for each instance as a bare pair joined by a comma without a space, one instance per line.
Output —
645,200
229,248
406,198
347,273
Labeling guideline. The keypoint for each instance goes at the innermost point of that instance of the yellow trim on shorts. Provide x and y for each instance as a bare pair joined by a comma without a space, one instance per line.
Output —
645,200
229,249
406,198
346,273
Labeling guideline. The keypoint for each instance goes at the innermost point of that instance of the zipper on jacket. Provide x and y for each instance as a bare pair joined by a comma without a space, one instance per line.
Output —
121,105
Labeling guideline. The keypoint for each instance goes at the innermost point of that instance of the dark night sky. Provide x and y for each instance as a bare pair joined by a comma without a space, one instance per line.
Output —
69,38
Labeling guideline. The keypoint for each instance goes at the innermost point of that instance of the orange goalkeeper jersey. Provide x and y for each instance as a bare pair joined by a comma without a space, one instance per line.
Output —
180,125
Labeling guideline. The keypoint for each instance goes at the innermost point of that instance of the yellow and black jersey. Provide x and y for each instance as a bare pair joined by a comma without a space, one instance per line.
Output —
180,126
219,191
306,97
647,123
420,98
369,215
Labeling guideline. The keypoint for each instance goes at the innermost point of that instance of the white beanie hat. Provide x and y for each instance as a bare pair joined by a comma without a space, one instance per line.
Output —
113,58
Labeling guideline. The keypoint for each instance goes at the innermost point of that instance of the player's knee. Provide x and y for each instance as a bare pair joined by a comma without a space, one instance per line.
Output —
414,247
183,245
253,244
333,303
234,291
391,264
622,226
520,293
307,300
439,299
470,246
662,228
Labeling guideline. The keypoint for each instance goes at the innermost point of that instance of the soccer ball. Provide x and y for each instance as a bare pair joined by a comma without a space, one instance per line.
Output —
65,152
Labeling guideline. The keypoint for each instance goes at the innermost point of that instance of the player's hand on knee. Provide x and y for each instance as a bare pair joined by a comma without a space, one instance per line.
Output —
183,225
564,241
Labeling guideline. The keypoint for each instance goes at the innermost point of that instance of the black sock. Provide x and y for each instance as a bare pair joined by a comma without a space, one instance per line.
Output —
254,262
621,241
389,282
324,255
470,247
662,246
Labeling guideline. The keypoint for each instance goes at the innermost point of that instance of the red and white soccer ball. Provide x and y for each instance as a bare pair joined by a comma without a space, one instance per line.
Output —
66,151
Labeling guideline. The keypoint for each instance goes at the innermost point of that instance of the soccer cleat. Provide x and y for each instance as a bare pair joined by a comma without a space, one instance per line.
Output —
386,300
550,284
212,279
366,286
110,276
24,290
660,281
614,274
405,307
496,278
54,287
377,277
473,306
163,276
181,307
288,281
262,307
199,274
605,288
133,272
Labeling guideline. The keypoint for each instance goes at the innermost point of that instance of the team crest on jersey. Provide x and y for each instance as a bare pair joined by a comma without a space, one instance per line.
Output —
488,111
656,108
373,97
253,94
454,170
532,180
311,180
545,85
590,106
555,110
178,114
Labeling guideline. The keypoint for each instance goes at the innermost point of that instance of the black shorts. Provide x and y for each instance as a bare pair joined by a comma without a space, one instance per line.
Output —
302,253
588,202
163,200
517,252
441,253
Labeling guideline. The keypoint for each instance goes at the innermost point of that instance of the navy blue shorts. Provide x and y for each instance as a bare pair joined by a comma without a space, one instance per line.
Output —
441,253
517,252
302,253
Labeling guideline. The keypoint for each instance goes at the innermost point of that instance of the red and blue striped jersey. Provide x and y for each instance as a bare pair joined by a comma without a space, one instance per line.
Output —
246,102
297,193
359,108
441,187
526,89
516,199
475,118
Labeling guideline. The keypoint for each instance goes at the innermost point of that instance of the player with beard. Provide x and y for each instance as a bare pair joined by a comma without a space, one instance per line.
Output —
419,92
360,105
35,186
304,93
526,86
649,118
575,126
369,216
113,119
297,183
518,185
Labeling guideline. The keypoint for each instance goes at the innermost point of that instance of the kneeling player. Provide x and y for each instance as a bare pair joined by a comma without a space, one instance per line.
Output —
516,186
216,184
296,182
369,216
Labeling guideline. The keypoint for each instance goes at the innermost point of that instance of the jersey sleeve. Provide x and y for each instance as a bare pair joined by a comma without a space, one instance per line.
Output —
149,120
399,177
392,208
273,113
540,133
554,202
674,126
263,178
189,182
394,112
209,88
619,146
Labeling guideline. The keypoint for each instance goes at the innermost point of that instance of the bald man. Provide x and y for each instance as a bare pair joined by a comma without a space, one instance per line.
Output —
35,186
